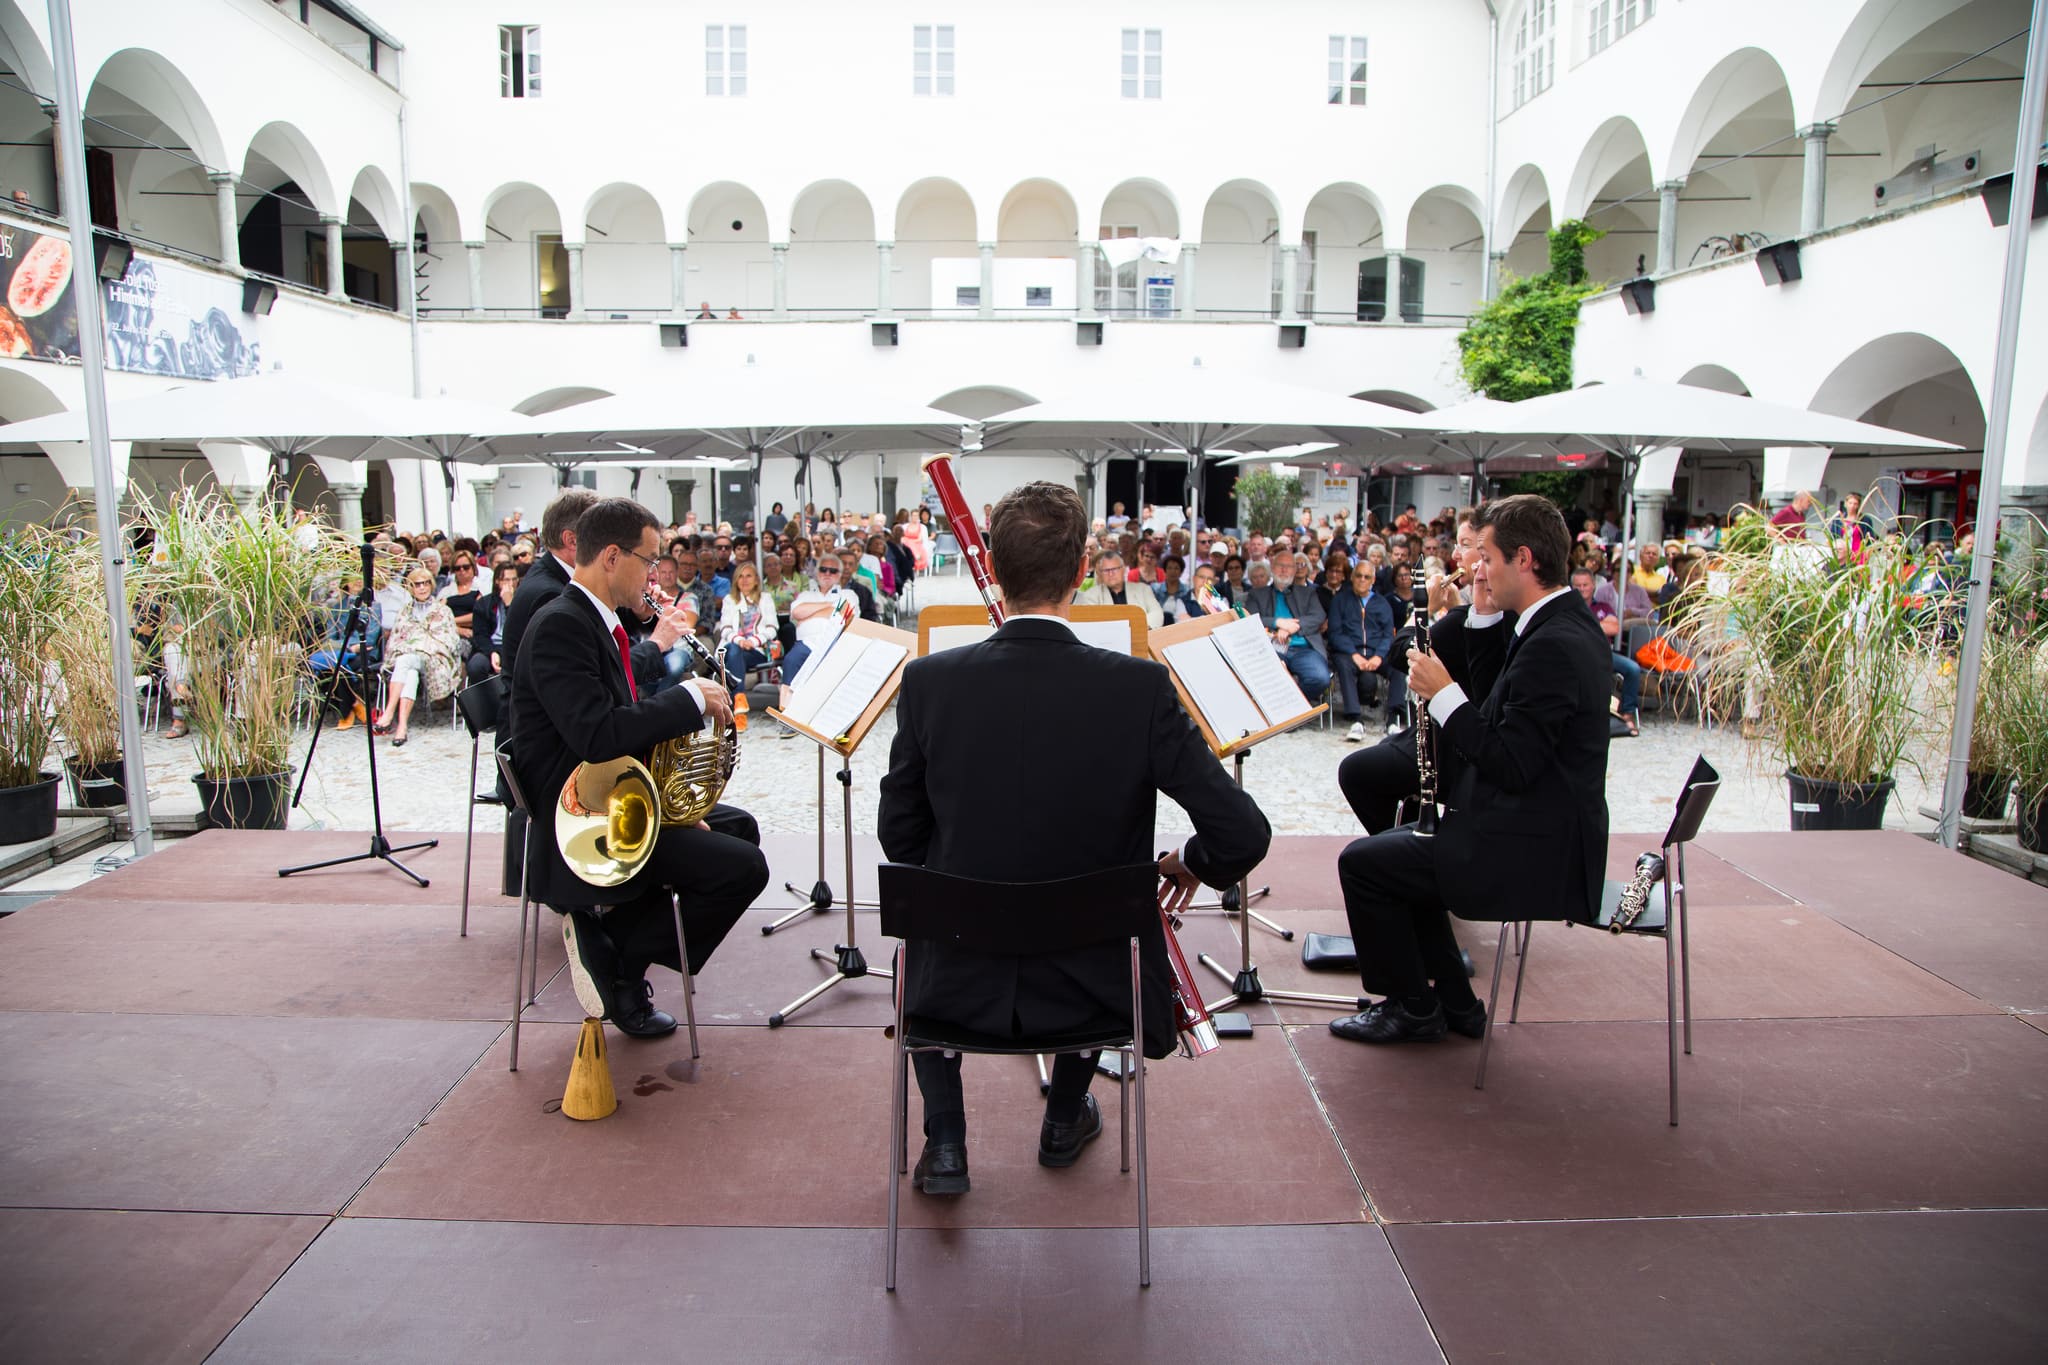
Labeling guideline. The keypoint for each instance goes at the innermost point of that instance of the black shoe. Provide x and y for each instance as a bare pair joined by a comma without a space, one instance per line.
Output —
942,1169
1059,1144
592,959
1470,1021
1390,1022
633,1012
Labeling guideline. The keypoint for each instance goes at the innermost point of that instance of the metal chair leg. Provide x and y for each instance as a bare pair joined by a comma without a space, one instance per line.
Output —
1527,934
1677,902
675,904
469,840
1671,1014
519,967
1138,1064
898,1138
1500,953
1123,1105
533,966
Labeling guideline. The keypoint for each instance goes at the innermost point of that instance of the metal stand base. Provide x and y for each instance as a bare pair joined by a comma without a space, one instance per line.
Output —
818,900
381,849
1230,903
848,962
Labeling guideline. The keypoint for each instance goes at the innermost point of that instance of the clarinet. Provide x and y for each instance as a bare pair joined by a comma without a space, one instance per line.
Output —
1425,755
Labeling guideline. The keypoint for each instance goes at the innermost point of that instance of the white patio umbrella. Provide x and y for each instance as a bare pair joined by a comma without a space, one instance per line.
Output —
1194,409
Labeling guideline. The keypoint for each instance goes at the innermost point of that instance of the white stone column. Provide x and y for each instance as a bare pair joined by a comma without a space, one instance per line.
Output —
987,293
475,252
483,506
1394,287
1290,265
779,256
1496,263
678,280
224,214
348,502
333,227
1813,196
1667,226
1649,521
885,270
575,251
1184,281
1084,279
74,465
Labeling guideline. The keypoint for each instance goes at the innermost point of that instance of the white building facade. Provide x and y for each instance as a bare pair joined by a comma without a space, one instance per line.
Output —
547,193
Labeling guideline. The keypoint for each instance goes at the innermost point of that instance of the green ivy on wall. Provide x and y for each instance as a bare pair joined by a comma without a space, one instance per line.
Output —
1520,344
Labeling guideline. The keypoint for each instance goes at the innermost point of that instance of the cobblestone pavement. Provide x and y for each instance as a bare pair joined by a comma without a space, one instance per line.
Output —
1294,777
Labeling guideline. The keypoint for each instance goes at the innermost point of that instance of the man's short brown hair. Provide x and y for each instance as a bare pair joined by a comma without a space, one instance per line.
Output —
611,521
1524,519
562,515
1035,537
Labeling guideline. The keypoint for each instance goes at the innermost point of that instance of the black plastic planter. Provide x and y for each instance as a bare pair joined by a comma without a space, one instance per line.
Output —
1837,805
1985,795
29,813
244,802
97,785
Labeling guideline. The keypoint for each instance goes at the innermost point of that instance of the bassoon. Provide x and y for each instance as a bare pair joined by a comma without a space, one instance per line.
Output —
1190,1015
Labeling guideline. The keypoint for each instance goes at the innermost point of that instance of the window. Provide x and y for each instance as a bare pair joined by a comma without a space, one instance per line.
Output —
519,61
1535,50
725,59
1347,70
1038,296
1609,21
967,296
1141,69
931,59
551,274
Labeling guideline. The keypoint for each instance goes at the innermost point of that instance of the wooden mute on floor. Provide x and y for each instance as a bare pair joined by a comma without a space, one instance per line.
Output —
590,1094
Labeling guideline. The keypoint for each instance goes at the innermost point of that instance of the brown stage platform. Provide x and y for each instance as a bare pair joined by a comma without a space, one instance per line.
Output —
264,1121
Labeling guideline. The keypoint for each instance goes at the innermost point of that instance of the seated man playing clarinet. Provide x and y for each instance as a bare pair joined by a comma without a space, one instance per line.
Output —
993,742
1525,833
577,701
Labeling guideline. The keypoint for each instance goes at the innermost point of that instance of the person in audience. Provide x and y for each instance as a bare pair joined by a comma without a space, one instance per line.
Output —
487,624
707,569
746,626
1789,521
346,698
424,651
774,521
1233,587
1629,671
876,568
1295,620
1172,593
1361,642
460,593
1112,587
818,614
901,560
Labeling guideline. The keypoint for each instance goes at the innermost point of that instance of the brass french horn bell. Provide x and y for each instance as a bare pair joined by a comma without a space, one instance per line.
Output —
607,820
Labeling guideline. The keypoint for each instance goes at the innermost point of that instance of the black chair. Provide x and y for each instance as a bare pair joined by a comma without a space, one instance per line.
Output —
1656,921
478,705
1018,919
530,988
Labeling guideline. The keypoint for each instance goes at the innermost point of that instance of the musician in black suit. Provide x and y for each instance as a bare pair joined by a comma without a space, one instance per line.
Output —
576,703
1472,640
994,742
1525,835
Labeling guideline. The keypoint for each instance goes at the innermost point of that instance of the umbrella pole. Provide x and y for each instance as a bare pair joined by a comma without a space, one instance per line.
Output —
1997,419
106,496
760,517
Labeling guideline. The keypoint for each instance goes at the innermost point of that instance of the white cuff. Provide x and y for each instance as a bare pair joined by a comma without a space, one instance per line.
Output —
1474,621
695,688
1446,701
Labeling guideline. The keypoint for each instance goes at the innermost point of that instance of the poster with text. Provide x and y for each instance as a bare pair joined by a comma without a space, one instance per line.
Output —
165,318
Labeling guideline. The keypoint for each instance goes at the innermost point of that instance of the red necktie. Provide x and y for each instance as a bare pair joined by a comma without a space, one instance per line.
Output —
626,660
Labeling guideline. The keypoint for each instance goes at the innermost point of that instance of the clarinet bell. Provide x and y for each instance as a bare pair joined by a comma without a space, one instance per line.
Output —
1425,821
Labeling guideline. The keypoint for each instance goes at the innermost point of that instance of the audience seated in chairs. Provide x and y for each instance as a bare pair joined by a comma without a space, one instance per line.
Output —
817,614
1294,618
487,624
1628,670
347,695
1113,588
423,651
1361,652
746,626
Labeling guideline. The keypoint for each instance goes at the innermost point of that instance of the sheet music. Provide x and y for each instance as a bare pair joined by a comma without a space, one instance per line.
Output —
953,637
1114,636
1215,690
821,679
1248,649
857,690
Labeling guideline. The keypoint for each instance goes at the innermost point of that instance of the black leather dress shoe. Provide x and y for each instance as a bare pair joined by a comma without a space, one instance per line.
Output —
1059,1144
633,1012
1470,1021
1390,1022
942,1169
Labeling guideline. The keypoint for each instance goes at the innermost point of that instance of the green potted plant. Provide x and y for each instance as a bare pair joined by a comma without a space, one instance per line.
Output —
2027,752
240,591
1268,500
88,705
2013,694
35,596
1832,662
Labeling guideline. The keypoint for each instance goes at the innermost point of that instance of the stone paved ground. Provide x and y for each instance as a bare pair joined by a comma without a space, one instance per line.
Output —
1293,776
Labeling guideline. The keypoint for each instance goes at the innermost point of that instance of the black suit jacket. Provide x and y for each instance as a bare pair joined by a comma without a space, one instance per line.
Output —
572,706
1032,757
1473,658
542,584
1526,833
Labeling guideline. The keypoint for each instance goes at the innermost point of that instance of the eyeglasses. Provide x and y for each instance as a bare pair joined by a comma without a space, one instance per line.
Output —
649,560
823,569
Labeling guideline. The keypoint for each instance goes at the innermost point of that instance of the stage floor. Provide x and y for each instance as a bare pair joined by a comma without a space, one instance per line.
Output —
260,1120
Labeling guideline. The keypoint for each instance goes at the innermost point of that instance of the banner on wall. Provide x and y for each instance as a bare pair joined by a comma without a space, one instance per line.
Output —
162,317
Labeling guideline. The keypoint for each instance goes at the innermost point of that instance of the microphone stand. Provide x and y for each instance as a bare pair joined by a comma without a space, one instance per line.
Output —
381,848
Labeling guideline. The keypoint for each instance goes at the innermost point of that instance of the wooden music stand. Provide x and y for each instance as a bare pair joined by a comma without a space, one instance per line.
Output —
1245,987
847,959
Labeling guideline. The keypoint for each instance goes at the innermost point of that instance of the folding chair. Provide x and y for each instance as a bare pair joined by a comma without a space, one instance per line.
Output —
1018,919
1655,921
530,986
478,706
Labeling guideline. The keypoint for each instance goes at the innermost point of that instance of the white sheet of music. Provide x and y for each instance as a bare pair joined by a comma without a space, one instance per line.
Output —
856,690
819,681
1215,690
953,637
1114,636
1248,649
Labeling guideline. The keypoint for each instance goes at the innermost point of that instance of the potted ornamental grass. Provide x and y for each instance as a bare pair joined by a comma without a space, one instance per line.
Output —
35,597
88,703
240,590
2012,692
1833,661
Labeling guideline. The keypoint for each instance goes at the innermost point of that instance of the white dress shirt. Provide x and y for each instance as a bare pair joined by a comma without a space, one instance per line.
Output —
1453,696
610,617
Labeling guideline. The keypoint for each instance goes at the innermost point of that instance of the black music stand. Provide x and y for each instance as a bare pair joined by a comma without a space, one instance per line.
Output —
818,900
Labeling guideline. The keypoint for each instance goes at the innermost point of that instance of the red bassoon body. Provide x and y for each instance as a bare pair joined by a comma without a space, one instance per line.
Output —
1191,1016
